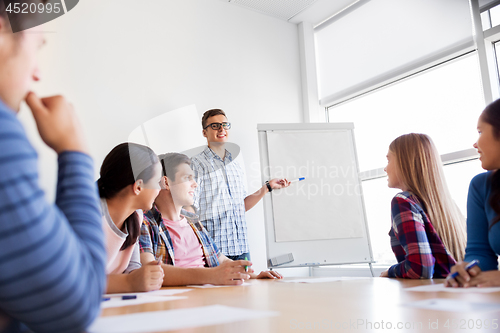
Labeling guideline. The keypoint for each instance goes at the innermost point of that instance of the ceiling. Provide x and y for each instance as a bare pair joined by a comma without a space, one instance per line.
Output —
296,11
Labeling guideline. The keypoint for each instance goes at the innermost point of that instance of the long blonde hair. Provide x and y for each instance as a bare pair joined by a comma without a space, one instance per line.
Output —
421,172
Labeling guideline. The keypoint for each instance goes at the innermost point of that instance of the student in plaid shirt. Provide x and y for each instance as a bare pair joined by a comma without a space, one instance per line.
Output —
428,230
169,233
221,199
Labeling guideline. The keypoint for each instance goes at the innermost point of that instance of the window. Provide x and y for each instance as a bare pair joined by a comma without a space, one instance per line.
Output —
443,102
490,18
497,55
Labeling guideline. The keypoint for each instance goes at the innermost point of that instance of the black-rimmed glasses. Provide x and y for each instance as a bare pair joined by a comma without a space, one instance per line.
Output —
216,126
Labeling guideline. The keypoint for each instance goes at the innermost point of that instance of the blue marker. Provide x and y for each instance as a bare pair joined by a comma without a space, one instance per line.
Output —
297,180
126,297
472,264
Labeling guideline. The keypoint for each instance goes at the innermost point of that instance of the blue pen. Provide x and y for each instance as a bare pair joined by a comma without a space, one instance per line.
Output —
297,180
126,297
472,264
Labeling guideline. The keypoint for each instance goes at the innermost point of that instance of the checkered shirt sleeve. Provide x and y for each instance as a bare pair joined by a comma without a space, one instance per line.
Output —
153,234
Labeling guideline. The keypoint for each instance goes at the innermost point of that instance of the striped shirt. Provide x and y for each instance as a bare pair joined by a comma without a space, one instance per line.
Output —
155,238
219,200
53,257
420,252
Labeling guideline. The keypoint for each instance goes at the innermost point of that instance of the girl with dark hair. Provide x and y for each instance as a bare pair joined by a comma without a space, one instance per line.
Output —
129,183
483,209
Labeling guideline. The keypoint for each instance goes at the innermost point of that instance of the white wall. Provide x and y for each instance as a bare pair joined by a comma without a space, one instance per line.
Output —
121,64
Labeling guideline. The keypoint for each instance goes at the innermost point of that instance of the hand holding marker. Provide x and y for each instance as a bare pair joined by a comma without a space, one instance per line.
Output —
281,183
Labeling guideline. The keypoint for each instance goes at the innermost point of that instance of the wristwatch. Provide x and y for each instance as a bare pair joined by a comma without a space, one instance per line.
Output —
269,188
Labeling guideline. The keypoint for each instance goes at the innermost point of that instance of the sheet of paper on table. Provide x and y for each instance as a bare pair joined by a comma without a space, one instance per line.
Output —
161,292
115,302
323,279
454,305
175,319
218,286
441,287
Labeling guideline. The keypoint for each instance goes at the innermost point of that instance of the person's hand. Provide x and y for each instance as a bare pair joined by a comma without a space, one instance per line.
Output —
268,275
57,123
485,279
384,273
464,276
278,183
147,278
230,272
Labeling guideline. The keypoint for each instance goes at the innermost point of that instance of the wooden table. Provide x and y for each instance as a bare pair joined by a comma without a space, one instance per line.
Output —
374,304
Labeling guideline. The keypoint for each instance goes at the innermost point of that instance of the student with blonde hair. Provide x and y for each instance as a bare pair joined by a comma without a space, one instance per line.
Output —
428,230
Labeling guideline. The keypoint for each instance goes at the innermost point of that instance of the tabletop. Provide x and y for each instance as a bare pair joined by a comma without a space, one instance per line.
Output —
368,304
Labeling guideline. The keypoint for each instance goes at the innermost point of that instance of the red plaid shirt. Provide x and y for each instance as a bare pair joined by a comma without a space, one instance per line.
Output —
420,252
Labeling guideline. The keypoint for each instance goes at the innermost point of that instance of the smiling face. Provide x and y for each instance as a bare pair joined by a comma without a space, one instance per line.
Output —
393,178
19,63
488,146
182,188
216,136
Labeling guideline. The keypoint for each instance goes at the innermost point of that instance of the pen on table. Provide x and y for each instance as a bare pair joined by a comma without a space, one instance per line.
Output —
246,267
124,297
472,264
297,180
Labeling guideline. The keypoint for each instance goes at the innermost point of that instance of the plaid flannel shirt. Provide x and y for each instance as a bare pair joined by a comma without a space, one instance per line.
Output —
220,200
420,252
155,238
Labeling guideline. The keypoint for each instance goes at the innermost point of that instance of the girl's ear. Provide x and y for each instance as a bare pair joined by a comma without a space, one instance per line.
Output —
138,186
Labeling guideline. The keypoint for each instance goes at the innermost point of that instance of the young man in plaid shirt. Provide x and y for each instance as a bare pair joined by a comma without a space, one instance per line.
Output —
221,199
188,254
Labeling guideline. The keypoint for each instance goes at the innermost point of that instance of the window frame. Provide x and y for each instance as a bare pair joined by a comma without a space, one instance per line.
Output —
488,72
